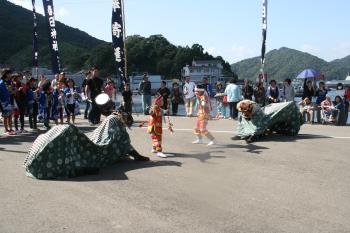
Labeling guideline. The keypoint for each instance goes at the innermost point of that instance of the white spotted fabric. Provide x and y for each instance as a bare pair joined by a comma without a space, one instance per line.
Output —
63,150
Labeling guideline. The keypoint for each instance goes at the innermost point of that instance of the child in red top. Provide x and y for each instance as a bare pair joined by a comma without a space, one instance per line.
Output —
155,127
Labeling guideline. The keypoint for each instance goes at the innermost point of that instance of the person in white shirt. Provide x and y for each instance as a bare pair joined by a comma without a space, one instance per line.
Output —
54,81
189,95
288,93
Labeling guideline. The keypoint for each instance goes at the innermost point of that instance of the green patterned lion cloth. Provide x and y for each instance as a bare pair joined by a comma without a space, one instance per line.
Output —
281,118
64,151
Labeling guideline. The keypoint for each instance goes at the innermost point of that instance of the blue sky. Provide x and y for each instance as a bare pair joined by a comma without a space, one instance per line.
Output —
229,28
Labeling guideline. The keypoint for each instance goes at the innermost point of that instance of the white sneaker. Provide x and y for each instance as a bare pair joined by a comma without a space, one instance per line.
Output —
161,155
153,151
198,141
211,143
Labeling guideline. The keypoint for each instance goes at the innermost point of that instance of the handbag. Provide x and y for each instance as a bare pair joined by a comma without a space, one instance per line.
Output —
224,100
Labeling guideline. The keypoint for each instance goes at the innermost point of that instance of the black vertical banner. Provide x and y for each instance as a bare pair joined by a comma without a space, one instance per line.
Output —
264,28
35,37
51,27
118,37
263,46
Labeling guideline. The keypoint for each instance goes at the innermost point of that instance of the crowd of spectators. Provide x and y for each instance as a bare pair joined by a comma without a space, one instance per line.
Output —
59,100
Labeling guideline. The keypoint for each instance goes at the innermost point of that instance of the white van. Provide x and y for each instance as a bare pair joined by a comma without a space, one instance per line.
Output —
136,79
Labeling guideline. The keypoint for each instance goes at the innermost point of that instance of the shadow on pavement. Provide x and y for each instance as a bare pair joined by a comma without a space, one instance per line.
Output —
12,151
251,148
202,157
20,138
283,138
119,170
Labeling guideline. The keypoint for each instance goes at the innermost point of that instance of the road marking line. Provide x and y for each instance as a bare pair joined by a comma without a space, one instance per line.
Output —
232,132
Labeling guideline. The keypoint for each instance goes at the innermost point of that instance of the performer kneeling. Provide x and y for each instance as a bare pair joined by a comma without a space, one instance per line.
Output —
203,115
64,151
281,118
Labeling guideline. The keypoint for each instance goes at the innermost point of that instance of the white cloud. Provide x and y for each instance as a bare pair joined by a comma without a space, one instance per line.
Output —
24,3
211,50
308,48
62,12
239,52
28,5
340,50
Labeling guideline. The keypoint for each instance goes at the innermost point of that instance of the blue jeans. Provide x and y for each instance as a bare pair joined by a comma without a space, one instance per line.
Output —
146,103
87,107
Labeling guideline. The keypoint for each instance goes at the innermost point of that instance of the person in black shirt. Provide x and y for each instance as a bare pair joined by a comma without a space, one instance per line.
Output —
175,98
165,92
247,90
309,90
145,91
273,92
127,98
93,89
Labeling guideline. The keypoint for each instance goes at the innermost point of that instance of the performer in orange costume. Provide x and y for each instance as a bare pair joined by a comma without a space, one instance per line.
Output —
203,115
155,126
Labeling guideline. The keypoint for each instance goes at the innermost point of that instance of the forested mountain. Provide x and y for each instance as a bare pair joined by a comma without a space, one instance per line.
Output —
16,28
78,50
154,54
287,63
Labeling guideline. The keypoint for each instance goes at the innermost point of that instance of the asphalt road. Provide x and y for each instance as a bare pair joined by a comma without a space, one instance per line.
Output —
279,184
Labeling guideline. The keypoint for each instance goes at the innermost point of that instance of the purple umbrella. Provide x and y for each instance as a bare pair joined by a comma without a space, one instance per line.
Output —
308,73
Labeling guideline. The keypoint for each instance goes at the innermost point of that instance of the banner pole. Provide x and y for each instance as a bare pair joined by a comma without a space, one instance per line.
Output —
124,39
263,46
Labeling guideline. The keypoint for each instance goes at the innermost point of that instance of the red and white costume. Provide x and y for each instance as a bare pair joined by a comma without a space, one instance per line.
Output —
155,127
203,115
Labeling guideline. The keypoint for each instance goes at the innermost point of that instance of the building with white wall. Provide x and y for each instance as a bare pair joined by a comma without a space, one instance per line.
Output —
212,69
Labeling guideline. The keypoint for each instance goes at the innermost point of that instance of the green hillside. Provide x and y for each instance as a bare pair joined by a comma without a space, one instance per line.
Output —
16,25
154,54
78,50
287,63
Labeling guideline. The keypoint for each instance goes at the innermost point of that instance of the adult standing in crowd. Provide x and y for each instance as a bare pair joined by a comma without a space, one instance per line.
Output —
347,102
42,81
94,87
145,91
88,76
321,94
273,92
62,77
233,93
127,98
189,94
309,90
260,94
165,92
54,81
45,104
207,86
288,91
175,98
247,90
32,100
5,101
20,98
